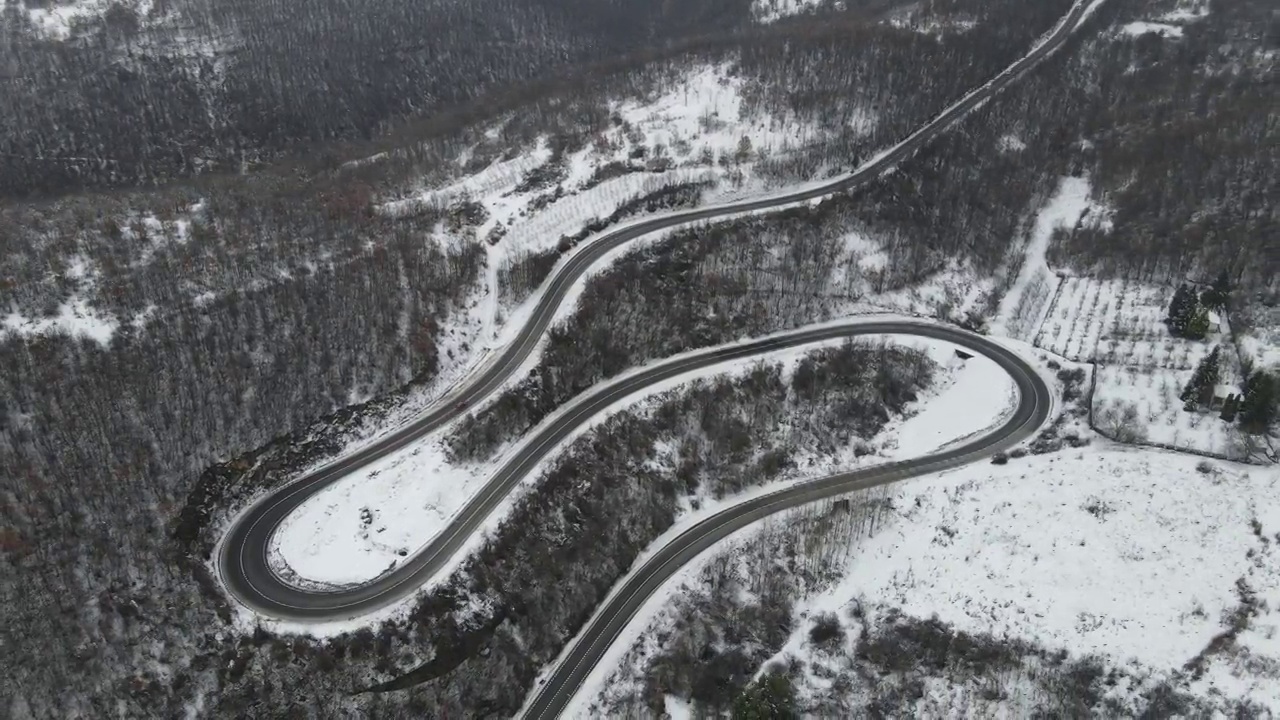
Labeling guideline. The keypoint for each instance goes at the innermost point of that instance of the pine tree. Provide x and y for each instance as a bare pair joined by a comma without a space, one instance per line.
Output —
772,697
1180,310
1197,326
1230,408
1203,380
1218,294
1258,408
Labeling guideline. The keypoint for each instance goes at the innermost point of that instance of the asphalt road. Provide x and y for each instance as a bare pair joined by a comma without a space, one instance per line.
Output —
1035,401
242,555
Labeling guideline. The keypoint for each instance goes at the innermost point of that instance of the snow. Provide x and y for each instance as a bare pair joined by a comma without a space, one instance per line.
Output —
1130,555
1011,143
970,397
495,179
978,397
1160,417
57,21
691,132
704,112
931,24
1170,24
75,317
1119,324
767,11
1135,29
363,525
569,215
1187,12
1023,309
1260,339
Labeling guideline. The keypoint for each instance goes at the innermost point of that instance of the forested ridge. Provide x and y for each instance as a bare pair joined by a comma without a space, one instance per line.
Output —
1194,213
249,307
142,93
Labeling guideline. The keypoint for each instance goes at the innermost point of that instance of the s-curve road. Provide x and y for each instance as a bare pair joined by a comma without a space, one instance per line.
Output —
244,564
1035,402
243,552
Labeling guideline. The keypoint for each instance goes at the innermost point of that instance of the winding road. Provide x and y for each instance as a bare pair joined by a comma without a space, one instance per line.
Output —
243,553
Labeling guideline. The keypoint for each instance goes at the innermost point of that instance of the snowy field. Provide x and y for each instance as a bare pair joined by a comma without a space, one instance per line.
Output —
1025,306
363,525
1138,557
1131,556
1119,324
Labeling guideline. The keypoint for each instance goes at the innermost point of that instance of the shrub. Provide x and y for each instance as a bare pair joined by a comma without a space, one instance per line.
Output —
770,698
826,630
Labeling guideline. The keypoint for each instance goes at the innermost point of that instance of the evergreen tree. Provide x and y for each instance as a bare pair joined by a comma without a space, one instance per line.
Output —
1180,310
1197,326
1258,408
1218,294
770,698
1230,408
1200,388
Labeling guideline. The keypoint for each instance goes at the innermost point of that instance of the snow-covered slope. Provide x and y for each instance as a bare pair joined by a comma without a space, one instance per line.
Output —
1140,558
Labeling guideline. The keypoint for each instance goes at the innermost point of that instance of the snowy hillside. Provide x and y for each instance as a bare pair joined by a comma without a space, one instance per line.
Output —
364,524
1141,559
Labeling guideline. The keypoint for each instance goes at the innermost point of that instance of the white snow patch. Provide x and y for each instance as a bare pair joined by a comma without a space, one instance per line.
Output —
60,18
1187,13
75,318
1011,143
767,11
364,525
1024,306
1143,27
929,24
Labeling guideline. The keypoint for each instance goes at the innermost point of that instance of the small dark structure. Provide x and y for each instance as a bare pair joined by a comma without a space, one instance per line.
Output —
962,354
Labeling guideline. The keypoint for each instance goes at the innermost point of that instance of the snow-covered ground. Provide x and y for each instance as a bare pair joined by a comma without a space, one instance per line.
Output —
363,525
1170,24
57,20
1142,27
1128,554
1119,324
693,131
74,317
767,11
968,398
1259,340
1135,556
929,24
1023,309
